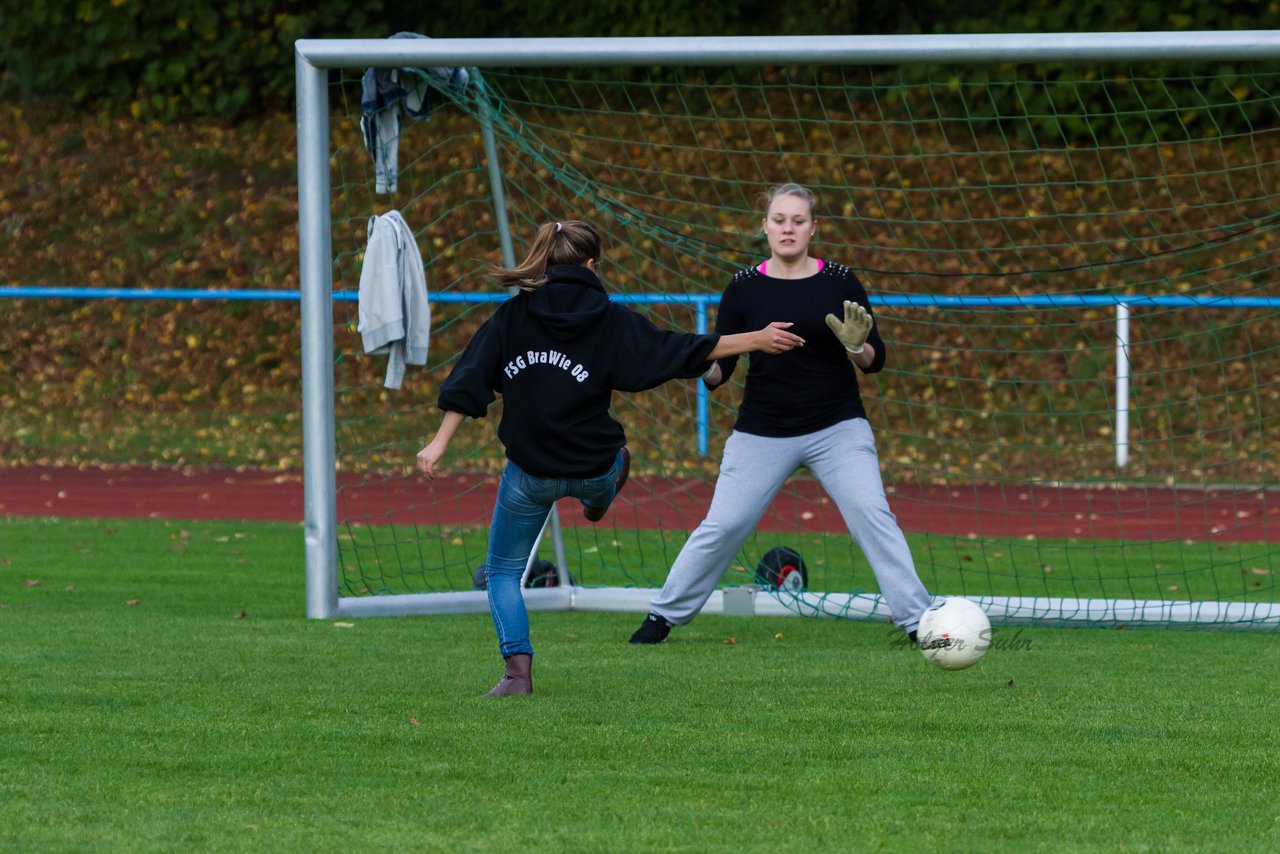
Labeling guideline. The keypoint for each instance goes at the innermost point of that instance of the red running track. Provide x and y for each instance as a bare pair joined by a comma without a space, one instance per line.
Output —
1129,512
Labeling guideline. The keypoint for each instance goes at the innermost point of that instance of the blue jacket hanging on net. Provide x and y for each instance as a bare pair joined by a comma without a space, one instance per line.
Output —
385,93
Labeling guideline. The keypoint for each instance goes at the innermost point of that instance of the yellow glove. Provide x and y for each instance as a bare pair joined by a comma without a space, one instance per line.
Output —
855,327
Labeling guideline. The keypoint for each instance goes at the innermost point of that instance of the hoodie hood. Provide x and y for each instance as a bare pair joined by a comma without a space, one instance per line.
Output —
570,302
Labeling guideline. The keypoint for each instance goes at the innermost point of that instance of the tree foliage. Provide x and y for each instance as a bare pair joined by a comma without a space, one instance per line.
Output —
163,59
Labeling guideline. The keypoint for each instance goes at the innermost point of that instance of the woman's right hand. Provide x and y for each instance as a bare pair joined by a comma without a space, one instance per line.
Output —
428,457
775,338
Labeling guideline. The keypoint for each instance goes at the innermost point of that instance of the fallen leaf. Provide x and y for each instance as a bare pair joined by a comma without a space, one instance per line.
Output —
241,615
133,602
730,641
31,582
777,636
414,722
344,625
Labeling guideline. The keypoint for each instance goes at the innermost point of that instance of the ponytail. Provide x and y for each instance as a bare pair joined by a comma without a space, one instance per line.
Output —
569,242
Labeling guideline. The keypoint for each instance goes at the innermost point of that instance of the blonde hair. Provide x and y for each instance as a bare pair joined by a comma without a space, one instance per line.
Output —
768,197
571,241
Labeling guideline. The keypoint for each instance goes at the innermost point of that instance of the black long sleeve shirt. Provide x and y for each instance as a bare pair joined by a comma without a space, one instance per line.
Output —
809,388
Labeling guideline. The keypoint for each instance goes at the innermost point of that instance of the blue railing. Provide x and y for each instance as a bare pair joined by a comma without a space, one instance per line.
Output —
900,300
1122,303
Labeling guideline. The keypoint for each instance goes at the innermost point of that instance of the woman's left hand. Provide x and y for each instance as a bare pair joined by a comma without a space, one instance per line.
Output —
855,327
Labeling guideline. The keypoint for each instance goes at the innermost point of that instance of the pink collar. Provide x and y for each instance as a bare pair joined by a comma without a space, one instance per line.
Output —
764,265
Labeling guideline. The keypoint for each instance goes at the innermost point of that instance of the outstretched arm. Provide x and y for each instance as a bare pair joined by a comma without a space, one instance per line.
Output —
773,339
429,456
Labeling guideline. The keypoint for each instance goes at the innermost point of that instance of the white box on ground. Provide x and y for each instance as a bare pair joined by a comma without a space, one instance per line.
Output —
740,602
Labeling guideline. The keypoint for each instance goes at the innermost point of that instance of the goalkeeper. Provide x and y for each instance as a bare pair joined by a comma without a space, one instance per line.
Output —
555,352
799,408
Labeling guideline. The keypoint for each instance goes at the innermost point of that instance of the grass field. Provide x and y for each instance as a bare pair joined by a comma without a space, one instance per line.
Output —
162,691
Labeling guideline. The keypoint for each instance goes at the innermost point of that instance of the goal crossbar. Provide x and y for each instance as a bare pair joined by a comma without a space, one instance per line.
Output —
1245,45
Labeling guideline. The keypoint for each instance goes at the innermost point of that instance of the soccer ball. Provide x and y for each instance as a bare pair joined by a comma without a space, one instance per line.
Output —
954,633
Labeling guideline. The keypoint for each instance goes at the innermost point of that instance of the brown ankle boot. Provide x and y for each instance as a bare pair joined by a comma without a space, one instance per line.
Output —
517,679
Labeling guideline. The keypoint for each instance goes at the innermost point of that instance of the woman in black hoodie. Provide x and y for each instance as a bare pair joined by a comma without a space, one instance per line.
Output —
555,352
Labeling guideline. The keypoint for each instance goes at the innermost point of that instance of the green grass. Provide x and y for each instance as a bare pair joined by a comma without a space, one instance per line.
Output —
175,724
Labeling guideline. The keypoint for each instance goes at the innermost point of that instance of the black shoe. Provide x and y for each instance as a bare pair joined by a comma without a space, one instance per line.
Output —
654,629
911,636
595,514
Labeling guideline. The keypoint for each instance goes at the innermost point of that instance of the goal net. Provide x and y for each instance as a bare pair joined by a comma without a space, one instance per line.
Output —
1072,261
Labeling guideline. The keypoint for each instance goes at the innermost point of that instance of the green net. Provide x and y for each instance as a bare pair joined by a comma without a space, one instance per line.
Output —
1026,235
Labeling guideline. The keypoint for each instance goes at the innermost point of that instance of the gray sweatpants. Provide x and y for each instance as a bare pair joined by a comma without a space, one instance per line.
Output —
843,459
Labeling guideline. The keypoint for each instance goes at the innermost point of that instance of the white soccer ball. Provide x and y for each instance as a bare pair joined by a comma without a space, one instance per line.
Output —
954,633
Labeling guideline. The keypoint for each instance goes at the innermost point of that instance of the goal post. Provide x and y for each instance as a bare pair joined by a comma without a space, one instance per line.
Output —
1035,244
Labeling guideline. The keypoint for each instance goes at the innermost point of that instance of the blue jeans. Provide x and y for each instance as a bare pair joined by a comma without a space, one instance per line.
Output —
523,504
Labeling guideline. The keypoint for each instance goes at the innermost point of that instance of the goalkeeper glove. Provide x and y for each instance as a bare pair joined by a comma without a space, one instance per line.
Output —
855,327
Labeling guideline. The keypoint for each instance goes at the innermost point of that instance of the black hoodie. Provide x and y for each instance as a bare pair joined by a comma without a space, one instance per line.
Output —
555,355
